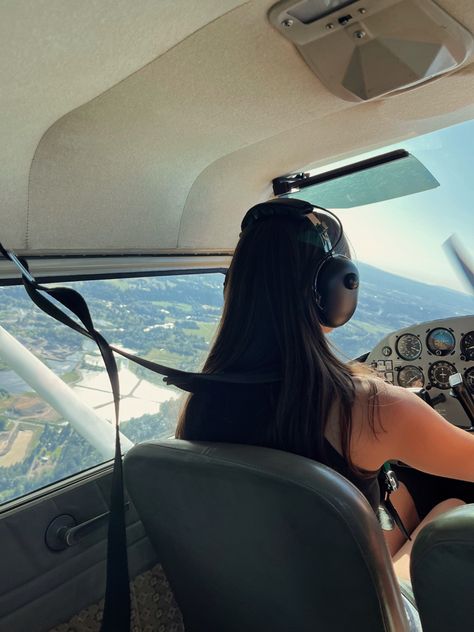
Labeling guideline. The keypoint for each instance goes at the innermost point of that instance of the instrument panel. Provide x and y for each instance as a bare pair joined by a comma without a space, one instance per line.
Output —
425,355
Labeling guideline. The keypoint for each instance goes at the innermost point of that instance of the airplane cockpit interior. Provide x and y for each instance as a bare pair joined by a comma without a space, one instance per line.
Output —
135,137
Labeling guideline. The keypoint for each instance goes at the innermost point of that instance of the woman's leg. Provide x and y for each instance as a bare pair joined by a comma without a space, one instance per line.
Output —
405,506
401,559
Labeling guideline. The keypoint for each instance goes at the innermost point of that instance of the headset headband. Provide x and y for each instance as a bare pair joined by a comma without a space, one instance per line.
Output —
296,209
279,207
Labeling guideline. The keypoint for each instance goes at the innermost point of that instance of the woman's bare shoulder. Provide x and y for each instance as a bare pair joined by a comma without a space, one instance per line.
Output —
377,403
370,389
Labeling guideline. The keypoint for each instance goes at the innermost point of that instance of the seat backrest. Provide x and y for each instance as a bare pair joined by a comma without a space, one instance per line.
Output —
442,571
255,539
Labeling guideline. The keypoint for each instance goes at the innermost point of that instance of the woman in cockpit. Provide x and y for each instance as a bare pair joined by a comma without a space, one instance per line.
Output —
290,281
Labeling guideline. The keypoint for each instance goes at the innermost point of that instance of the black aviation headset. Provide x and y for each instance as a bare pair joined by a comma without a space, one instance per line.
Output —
336,279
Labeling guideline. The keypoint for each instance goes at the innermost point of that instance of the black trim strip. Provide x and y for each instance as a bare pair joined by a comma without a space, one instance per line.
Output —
54,254
113,275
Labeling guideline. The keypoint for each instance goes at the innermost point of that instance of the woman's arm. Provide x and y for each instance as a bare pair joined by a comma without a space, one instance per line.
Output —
414,433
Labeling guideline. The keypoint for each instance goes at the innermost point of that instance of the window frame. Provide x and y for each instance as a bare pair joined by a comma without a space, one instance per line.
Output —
54,269
57,487
48,269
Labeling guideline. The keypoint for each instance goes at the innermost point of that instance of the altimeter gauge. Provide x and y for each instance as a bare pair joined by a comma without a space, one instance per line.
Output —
467,346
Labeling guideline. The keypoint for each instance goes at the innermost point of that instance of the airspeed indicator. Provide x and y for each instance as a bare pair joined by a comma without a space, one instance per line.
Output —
408,347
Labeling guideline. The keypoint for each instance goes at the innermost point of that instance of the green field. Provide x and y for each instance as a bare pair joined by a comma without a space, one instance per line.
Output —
206,330
185,307
163,356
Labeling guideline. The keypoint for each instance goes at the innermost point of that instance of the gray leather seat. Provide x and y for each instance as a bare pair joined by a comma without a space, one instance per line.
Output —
254,539
442,571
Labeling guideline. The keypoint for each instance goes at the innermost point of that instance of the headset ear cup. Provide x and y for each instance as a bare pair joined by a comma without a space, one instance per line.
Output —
337,289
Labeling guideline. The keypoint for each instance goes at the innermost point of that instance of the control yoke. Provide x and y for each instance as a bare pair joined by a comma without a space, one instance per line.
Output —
458,390
461,393
426,397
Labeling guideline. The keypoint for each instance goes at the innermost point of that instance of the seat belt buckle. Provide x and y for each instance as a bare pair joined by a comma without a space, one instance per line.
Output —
391,481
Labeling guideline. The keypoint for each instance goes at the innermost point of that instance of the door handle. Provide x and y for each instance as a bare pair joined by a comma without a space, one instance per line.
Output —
64,532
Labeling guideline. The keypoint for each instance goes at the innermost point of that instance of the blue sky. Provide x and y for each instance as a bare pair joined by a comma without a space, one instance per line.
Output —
406,234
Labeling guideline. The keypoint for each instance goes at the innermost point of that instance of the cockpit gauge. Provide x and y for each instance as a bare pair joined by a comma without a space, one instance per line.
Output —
440,341
467,346
408,347
439,372
411,377
469,379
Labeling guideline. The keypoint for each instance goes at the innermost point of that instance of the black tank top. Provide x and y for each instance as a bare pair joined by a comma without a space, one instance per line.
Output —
243,413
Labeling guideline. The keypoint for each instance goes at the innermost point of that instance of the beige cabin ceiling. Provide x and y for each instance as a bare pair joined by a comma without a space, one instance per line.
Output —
56,55
104,149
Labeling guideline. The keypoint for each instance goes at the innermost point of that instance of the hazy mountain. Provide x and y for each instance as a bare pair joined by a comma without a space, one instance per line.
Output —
388,302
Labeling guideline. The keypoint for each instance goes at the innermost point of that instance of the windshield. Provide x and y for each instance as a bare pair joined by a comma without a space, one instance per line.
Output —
406,275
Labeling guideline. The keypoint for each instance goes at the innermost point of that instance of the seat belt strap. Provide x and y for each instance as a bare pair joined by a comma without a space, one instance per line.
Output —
391,484
116,615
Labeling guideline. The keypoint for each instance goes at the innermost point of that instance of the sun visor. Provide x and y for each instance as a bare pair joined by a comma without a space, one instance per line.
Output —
366,49
392,175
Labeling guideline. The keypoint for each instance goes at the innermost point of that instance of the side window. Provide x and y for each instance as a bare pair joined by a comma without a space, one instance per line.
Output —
170,319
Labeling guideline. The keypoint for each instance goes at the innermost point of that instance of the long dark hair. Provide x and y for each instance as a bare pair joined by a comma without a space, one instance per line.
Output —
270,320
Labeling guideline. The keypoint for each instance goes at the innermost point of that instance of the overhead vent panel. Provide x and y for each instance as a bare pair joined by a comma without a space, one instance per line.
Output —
364,49
312,10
